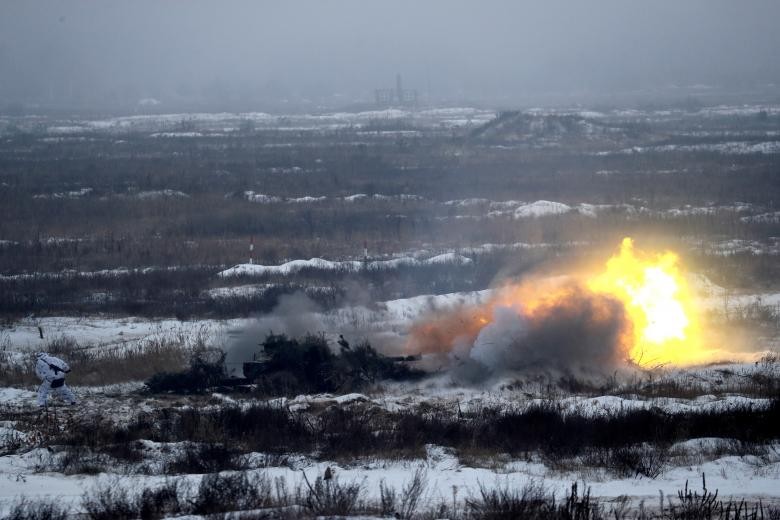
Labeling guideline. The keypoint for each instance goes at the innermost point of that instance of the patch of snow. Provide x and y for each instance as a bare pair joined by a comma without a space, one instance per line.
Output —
307,199
763,218
726,148
16,396
467,202
65,130
160,194
261,198
295,266
148,102
73,194
240,291
541,208
740,246
355,197
505,205
448,258
177,134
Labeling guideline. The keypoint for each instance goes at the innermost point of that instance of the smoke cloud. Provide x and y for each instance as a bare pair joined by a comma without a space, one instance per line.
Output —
540,326
570,331
295,315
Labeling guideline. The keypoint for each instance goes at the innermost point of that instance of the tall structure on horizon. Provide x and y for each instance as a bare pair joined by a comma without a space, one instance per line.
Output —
398,96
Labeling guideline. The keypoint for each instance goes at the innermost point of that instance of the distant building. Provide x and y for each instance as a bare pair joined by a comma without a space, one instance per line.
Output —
398,96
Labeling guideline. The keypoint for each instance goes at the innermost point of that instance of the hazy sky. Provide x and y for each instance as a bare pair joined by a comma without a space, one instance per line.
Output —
110,51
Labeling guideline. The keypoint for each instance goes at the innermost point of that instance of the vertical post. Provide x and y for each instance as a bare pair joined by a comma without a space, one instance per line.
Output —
365,250
251,249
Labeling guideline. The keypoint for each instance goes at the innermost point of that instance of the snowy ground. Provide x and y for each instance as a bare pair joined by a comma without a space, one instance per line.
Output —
744,476
392,317
731,476
183,125
162,126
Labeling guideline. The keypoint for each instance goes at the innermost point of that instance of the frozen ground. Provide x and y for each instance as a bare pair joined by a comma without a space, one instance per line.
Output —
751,477
732,476
294,266
391,317
711,388
215,124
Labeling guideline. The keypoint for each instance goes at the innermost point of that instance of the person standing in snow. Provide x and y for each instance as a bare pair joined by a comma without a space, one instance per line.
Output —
51,370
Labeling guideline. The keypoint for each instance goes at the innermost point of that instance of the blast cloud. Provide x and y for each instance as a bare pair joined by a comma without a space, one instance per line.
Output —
295,315
580,333
577,332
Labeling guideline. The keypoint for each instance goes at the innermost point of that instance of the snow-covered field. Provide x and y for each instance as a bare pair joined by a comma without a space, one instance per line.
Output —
394,315
754,477
732,476
193,125
739,384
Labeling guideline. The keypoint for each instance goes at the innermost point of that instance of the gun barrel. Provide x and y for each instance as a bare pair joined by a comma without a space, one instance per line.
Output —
414,357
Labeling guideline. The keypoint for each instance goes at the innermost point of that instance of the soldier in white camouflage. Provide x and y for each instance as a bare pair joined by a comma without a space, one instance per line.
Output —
51,370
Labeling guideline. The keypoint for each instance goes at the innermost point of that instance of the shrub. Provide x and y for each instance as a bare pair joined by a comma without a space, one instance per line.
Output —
203,458
79,460
26,509
630,461
154,504
532,502
219,492
109,501
202,374
403,505
412,493
330,497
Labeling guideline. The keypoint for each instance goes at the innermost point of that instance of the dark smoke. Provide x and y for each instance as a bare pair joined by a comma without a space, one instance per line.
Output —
295,315
582,333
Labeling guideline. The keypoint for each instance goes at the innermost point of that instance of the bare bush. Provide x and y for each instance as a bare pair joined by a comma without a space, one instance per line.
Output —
411,494
203,458
201,374
631,441
404,504
220,492
645,460
26,509
329,497
237,496
533,502
109,501
157,503
387,499
80,460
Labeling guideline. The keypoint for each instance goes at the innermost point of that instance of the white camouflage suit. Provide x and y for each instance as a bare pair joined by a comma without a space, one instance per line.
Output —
51,370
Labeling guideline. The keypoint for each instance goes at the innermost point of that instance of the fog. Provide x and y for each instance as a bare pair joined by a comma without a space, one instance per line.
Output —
314,53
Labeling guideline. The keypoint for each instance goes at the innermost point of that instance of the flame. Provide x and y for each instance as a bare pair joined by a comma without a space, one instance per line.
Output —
660,324
658,303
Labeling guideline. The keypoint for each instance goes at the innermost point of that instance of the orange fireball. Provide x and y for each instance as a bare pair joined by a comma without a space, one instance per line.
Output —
656,321
659,304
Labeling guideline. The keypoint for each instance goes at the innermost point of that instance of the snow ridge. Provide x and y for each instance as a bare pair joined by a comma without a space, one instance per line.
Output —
295,266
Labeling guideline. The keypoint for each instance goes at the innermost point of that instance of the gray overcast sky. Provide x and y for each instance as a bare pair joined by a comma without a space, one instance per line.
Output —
106,52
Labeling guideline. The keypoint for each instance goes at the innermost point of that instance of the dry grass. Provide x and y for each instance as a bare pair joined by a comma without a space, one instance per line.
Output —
101,366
